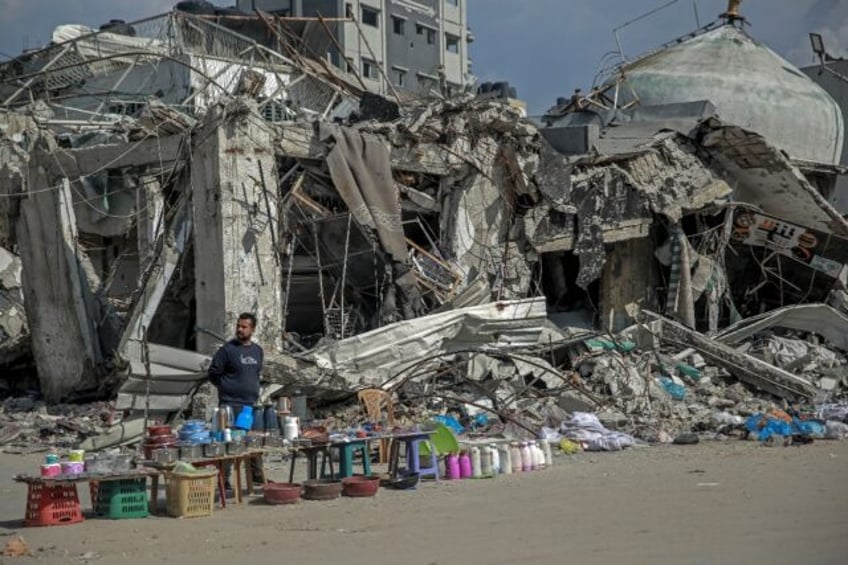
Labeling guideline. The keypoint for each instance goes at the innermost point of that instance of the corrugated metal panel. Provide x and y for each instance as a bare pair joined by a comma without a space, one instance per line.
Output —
174,374
515,323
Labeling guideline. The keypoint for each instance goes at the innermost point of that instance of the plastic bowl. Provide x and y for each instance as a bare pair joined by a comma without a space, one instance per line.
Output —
405,482
282,493
322,489
360,486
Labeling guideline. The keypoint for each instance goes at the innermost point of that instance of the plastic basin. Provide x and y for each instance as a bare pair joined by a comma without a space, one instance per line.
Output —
282,493
322,489
360,486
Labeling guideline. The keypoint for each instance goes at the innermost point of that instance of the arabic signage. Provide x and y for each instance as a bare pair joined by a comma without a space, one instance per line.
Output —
823,252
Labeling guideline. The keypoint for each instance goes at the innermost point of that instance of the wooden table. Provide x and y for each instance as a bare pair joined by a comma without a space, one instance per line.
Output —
219,462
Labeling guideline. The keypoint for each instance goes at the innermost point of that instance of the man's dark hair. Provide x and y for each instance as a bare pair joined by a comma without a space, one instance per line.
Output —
248,316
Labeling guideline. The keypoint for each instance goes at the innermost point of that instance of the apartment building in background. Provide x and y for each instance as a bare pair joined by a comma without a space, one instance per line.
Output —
420,44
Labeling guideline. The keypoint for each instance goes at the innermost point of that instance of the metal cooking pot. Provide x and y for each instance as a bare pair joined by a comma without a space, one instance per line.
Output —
166,455
235,448
191,451
213,450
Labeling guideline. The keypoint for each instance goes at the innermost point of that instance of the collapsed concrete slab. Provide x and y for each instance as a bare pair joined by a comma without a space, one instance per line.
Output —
746,368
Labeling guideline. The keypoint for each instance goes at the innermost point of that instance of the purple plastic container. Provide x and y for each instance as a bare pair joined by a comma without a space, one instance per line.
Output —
452,470
465,466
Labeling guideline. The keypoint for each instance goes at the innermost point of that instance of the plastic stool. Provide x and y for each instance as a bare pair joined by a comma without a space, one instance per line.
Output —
347,451
413,453
56,505
311,454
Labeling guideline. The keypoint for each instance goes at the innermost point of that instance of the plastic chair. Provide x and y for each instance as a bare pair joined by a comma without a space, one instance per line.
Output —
374,400
443,440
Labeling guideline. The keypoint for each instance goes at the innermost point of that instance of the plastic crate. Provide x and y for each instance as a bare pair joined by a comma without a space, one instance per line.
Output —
190,495
120,499
56,505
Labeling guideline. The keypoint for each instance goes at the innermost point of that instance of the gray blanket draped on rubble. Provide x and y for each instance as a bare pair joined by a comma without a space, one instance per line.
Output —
361,171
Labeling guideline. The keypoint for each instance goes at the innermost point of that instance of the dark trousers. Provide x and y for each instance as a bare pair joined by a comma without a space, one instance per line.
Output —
255,464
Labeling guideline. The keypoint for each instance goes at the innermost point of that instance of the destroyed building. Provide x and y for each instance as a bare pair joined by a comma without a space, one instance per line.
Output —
426,244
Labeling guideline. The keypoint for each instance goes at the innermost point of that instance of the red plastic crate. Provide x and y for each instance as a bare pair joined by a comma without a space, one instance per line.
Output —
56,505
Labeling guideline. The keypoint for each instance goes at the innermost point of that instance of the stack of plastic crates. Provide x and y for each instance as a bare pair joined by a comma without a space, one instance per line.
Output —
190,495
120,499
53,505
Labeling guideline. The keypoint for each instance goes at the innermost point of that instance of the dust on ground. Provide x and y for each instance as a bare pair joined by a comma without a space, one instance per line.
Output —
717,502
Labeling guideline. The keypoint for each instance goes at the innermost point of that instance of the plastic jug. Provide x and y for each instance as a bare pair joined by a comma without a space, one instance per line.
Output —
540,456
496,460
244,421
452,470
515,455
549,456
506,460
465,470
476,464
526,457
486,461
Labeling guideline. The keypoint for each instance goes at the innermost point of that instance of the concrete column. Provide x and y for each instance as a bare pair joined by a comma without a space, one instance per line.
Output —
58,287
234,187
628,277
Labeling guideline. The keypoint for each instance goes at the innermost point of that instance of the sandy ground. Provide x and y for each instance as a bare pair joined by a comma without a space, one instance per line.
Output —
732,502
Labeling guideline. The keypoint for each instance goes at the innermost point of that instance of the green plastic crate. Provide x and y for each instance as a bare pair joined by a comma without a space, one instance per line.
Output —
121,499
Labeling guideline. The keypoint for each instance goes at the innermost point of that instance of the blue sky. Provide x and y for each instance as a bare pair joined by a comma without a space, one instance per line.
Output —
545,48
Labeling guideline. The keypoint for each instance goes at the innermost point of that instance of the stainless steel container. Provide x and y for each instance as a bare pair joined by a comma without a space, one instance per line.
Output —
191,451
166,455
235,448
213,449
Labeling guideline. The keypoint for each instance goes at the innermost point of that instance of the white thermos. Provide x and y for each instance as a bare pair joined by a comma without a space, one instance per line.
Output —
291,428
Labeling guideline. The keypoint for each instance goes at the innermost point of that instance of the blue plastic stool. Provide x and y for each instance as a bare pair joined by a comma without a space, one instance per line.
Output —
412,443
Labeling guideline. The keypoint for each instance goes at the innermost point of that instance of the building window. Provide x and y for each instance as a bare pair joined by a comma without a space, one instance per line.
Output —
398,25
349,10
369,69
370,17
399,76
452,2
452,43
429,32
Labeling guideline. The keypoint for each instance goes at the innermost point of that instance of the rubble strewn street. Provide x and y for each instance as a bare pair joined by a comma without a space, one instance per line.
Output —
410,260
401,253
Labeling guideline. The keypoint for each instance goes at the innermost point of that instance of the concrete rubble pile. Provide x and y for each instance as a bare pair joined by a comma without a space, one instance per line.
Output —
447,250
30,425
